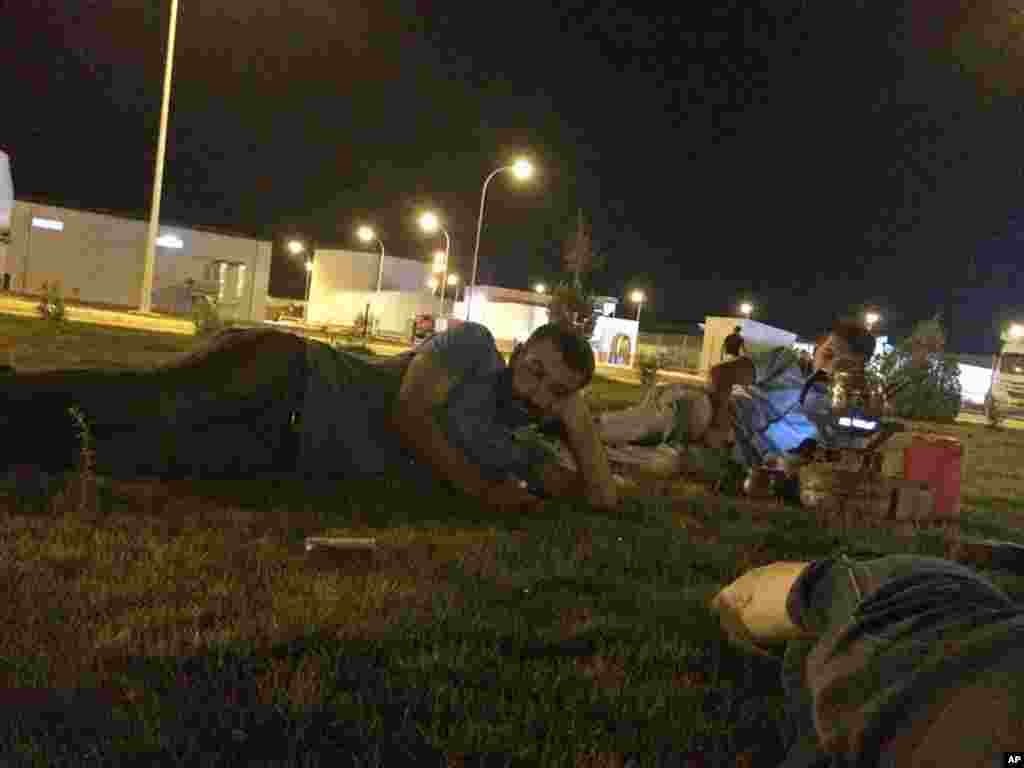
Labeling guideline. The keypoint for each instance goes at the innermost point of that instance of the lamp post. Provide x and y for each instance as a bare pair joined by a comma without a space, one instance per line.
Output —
637,297
871,319
540,288
297,248
746,309
522,169
309,282
367,235
430,223
453,280
441,268
146,302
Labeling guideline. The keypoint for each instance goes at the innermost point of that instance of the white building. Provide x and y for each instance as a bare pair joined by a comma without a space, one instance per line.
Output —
343,283
98,258
512,315
754,334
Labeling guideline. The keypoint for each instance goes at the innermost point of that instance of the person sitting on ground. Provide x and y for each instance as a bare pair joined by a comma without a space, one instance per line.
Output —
891,661
262,400
733,345
752,409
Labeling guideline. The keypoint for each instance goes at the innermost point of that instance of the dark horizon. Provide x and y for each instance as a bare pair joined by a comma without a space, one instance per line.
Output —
815,160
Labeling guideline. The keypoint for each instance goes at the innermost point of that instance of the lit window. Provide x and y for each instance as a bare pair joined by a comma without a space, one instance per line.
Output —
56,226
170,241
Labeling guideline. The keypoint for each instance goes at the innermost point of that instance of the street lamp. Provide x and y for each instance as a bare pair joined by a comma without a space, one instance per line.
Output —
871,318
637,297
540,287
432,284
367,235
453,280
146,303
430,223
1016,331
295,247
309,280
522,169
746,309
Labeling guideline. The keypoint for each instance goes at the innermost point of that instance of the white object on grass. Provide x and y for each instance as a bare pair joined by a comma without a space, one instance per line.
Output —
340,542
752,610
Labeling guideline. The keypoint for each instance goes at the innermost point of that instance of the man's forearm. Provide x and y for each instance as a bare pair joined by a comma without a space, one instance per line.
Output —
588,450
428,442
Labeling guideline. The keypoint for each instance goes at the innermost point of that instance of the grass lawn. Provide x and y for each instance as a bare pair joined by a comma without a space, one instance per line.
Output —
185,624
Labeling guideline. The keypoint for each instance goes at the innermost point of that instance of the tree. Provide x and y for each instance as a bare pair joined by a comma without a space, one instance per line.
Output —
925,381
572,308
580,254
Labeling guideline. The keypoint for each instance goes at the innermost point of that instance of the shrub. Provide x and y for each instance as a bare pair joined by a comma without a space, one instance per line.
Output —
206,317
648,365
360,324
929,379
51,305
572,308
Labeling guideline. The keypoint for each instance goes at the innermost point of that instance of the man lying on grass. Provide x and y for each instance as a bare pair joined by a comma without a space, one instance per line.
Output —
892,661
755,407
261,400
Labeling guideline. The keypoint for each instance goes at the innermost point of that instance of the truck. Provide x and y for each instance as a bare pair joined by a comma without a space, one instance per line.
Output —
1006,388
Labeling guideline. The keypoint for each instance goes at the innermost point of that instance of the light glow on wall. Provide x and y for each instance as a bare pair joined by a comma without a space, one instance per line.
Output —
170,241
53,224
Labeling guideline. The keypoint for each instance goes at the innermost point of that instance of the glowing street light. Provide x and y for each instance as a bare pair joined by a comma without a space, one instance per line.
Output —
453,280
637,297
432,284
522,169
430,223
295,247
540,288
1016,331
871,318
746,309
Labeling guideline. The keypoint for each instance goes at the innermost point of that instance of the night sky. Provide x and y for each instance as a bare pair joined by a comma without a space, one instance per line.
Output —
811,156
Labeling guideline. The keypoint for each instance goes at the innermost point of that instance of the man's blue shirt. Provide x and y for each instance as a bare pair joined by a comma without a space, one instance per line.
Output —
349,398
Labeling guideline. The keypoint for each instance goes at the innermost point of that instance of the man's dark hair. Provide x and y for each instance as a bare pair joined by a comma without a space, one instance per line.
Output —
860,339
576,350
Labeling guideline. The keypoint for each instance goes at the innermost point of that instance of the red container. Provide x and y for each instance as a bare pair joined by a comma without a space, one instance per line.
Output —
935,459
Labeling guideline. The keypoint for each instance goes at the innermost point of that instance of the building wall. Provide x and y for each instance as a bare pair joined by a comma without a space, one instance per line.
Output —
607,331
507,321
357,271
755,334
392,310
343,282
99,258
